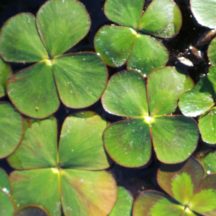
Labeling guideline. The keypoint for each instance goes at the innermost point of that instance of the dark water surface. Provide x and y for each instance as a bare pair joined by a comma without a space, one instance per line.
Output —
134,179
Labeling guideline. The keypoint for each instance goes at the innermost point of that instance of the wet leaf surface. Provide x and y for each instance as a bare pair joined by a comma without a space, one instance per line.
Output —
174,138
11,129
204,12
79,187
35,90
6,206
5,73
120,44
62,24
187,186
207,126
208,162
123,205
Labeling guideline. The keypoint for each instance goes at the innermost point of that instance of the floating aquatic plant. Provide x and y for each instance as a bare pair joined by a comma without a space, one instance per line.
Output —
207,159
77,79
148,106
5,73
204,12
11,129
8,207
131,42
123,205
65,172
200,101
190,193
69,175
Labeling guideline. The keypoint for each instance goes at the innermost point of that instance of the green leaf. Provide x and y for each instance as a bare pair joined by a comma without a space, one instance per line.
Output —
182,188
126,95
212,52
208,162
80,192
80,79
39,146
5,72
4,182
123,204
162,18
11,129
145,201
207,126
166,174
87,193
114,44
83,151
31,211
62,24
165,207
197,101
212,77
19,40
33,91
147,54
41,188
174,138
6,207
128,143
204,201
193,104
165,86
204,12
124,12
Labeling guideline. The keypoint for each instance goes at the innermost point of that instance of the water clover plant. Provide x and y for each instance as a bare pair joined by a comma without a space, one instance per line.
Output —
147,106
208,161
69,174
7,205
11,129
191,193
204,12
5,73
123,205
77,79
200,101
131,42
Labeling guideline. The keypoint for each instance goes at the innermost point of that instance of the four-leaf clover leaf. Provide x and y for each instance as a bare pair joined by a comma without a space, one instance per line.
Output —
148,106
77,79
122,44
69,175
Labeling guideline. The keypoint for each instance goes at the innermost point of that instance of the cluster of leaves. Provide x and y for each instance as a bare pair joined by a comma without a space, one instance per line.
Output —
189,192
67,170
78,80
118,45
200,101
